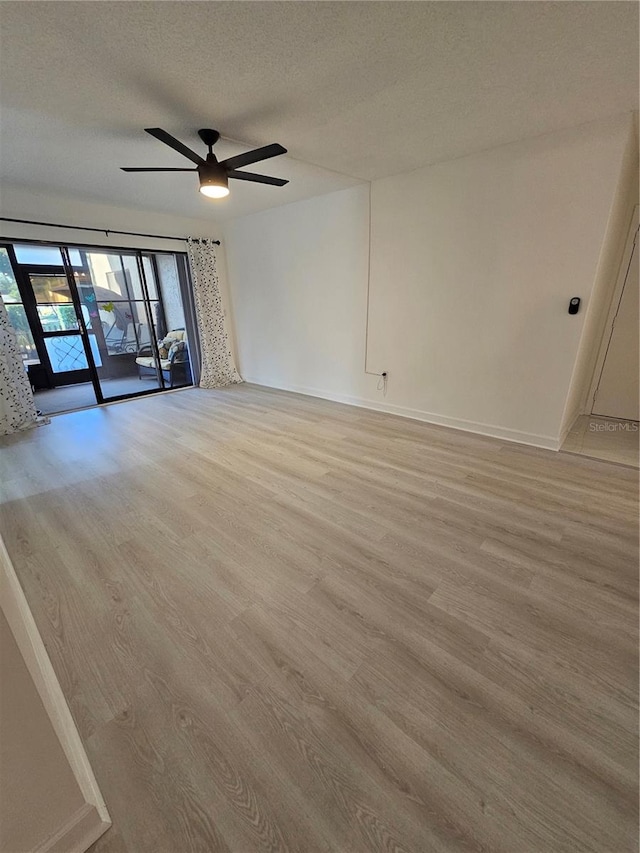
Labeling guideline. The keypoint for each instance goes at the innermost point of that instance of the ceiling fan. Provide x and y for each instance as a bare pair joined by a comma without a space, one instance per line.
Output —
214,176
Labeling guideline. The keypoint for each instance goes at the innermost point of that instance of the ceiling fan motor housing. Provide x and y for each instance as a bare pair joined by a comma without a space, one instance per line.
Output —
212,173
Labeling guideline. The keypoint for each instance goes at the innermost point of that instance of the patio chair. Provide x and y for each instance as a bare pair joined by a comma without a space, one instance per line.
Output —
171,355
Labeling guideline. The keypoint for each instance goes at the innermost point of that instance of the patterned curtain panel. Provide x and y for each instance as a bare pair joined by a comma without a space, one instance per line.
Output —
17,409
217,366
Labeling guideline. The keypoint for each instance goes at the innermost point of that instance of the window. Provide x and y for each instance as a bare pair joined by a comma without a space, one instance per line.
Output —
15,309
33,254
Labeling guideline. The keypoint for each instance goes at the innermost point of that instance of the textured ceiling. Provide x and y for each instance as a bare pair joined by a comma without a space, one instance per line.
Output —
354,90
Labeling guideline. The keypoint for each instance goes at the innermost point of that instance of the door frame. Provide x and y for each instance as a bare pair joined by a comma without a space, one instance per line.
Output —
632,242
69,377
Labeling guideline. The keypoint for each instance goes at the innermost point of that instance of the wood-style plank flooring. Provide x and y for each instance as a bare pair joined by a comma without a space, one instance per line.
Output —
610,439
283,624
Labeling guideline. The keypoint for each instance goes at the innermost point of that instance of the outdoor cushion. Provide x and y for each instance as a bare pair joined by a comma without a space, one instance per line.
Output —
147,361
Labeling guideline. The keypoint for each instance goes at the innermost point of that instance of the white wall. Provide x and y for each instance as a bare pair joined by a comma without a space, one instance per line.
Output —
473,263
26,203
299,294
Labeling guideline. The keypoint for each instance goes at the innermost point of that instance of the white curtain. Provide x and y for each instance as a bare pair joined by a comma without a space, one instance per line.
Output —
217,367
17,409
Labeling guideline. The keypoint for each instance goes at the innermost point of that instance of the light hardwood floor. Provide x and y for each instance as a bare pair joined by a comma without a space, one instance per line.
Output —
283,624
605,438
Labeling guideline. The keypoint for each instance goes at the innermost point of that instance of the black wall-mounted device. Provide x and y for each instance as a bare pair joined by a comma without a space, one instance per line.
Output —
574,305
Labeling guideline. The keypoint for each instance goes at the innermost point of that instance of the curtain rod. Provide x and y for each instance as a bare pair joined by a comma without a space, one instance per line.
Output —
106,231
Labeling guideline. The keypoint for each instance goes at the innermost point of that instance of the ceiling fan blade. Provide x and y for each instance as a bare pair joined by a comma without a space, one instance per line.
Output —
160,169
258,179
254,156
174,143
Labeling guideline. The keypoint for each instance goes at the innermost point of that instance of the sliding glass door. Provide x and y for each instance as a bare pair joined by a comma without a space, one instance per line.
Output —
118,301
92,324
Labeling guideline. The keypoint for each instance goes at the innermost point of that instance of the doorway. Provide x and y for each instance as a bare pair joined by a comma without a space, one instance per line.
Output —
58,332
616,393
610,429
89,321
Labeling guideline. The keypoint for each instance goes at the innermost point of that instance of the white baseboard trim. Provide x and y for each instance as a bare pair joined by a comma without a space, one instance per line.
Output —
78,834
28,639
569,426
532,439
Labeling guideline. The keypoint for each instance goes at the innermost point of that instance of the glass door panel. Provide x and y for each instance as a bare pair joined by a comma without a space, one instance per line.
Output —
66,353
171,315
118,317
50,289
58,318
60,328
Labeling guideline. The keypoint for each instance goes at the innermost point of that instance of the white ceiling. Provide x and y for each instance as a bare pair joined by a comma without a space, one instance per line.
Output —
354,90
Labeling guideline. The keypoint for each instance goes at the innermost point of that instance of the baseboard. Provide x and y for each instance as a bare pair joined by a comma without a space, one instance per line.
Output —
28,639
569,426
491,431
82,830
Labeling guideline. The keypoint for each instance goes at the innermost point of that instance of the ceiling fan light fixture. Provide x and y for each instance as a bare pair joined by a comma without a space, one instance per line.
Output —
214,182
214,190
